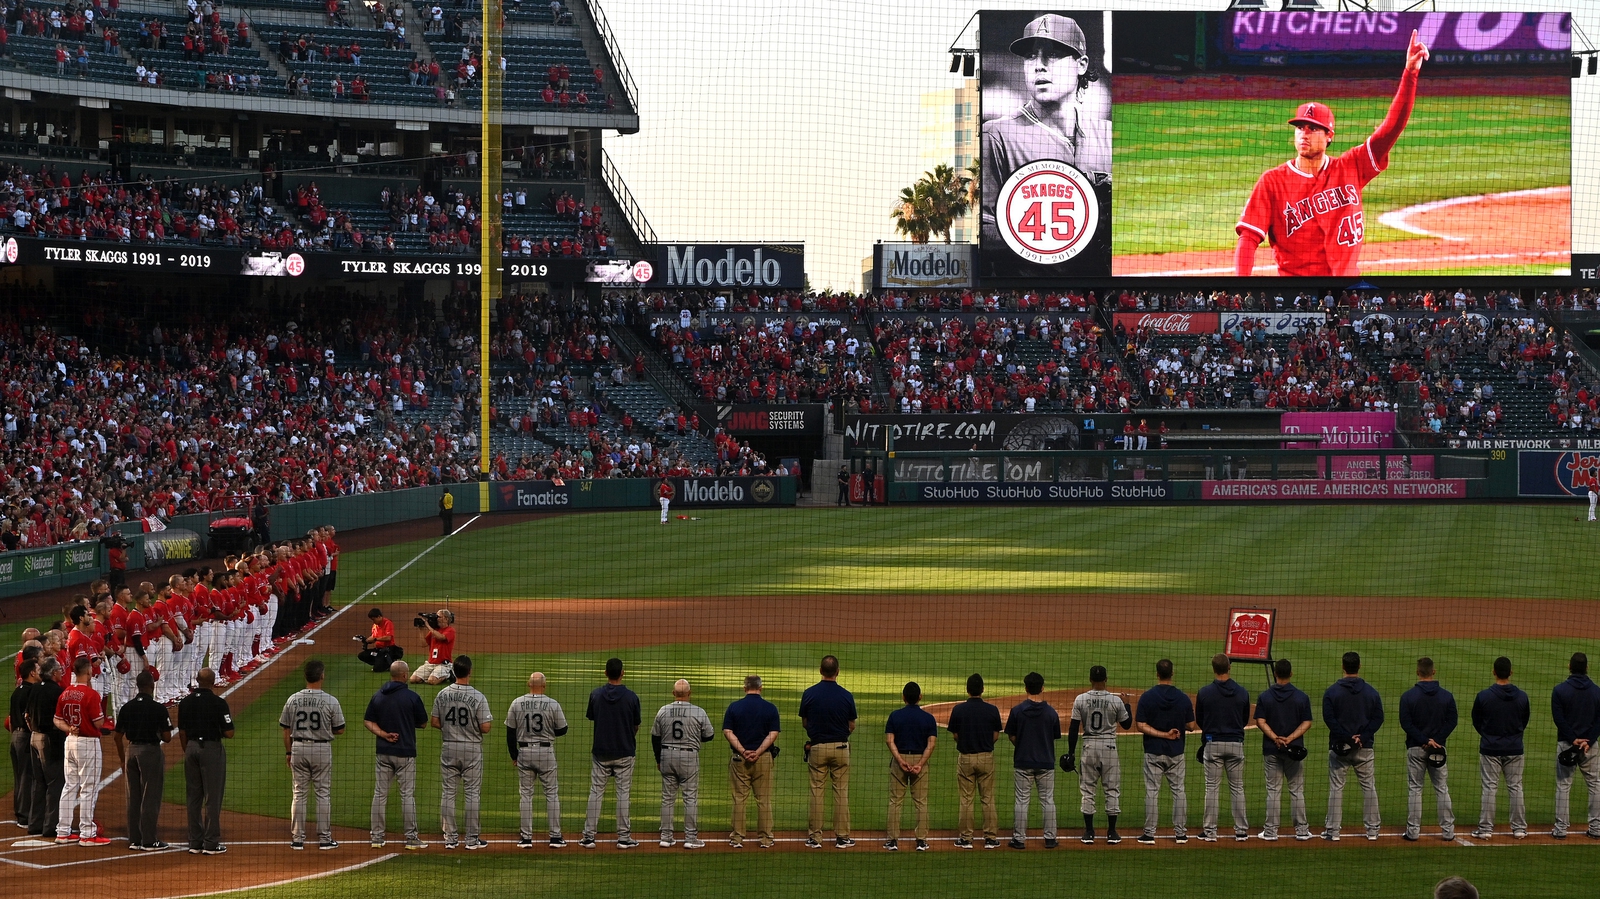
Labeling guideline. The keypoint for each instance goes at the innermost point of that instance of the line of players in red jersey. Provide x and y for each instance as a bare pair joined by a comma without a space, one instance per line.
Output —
229,619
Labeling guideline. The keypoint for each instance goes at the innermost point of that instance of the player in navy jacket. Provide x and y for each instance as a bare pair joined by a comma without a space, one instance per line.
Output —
1500,715
1575,706
1428,716
1353,712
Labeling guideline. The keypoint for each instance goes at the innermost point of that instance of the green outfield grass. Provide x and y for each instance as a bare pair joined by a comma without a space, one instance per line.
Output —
1534,872
876,673
1183,170
1323,550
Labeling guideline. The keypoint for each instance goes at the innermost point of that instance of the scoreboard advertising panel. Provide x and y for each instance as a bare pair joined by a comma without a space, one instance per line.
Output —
1331,144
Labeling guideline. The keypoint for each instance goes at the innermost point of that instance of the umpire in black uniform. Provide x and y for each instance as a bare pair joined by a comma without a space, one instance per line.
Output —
203,723
49,750
144,725
22,739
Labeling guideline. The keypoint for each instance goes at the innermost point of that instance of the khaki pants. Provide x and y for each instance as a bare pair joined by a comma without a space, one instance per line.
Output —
901,780
746,778
829,763
975,774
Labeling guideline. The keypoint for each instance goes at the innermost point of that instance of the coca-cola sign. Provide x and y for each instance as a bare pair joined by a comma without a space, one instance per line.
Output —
1169,322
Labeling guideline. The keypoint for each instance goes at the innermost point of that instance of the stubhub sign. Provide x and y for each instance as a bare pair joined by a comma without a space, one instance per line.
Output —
730,265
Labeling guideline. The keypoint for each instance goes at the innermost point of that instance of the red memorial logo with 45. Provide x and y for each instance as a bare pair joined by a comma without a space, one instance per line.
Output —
1048,212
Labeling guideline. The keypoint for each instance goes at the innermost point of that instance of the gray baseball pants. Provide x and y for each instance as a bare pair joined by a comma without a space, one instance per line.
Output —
460,769
1170,768
1027,782
312,766
680,770
1280,768
388,769
537,765
1224,760
1339,772
1492,769
1416,770
1101,767
1591,778
599,773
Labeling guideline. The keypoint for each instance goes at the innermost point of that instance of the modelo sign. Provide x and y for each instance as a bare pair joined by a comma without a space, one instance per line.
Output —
730,265
922,266
758,491
1169,322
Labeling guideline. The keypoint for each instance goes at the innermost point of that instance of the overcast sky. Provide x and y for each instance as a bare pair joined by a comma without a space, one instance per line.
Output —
775,120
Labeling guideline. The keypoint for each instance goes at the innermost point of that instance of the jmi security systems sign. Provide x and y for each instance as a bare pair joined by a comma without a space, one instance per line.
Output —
923,266
715,265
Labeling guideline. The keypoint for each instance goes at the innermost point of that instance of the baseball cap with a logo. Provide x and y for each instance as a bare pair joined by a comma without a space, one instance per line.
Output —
1056,29
1314,114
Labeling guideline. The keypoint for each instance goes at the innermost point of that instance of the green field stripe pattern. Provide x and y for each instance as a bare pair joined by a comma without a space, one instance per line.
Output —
1319,550
876,673
1306,872
1183,170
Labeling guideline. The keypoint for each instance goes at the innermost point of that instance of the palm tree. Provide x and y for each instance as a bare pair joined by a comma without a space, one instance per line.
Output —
947,197
910,214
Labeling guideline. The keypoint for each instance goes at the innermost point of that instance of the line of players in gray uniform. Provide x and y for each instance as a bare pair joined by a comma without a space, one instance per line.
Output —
1352,713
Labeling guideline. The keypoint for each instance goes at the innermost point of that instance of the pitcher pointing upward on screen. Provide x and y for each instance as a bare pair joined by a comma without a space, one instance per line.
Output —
1309,208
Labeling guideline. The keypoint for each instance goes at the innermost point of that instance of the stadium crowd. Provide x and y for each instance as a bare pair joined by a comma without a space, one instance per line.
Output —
786,363
121,418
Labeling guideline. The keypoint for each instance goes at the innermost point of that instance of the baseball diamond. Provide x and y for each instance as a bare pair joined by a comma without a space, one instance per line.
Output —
881,637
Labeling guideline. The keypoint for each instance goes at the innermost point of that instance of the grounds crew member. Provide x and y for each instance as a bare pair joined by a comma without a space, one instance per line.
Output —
679,730
976,726
828,714
144,725
310,720
447,512
1033,728
461,714
1098,713
1575,706
204,721
1428,717
751,727
532,724
1353,712
1500,714
911,734
1164,714
1283,715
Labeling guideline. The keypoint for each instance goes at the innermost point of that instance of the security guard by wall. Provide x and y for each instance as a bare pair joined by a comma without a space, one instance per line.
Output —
204,721
143,724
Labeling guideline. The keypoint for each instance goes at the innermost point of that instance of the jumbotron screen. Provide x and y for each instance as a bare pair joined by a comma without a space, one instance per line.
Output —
1280,144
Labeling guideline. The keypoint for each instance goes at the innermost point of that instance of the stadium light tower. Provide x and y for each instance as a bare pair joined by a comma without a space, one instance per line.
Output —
490,173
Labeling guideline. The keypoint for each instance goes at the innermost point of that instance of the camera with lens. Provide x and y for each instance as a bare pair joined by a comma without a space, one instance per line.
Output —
430,619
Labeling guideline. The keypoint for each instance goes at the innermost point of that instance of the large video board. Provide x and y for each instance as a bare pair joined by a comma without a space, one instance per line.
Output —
1316,144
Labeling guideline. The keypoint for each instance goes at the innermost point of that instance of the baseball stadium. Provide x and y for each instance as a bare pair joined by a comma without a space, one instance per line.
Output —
450,447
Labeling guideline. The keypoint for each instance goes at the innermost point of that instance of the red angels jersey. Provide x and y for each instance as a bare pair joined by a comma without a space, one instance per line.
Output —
79,706
1315,223
81,645
119,620
333,555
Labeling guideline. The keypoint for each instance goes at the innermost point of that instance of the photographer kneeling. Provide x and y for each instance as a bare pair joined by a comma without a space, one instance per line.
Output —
440,634
379,649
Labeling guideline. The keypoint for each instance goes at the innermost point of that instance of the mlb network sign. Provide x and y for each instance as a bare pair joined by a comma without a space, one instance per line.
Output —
922,266
718,265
